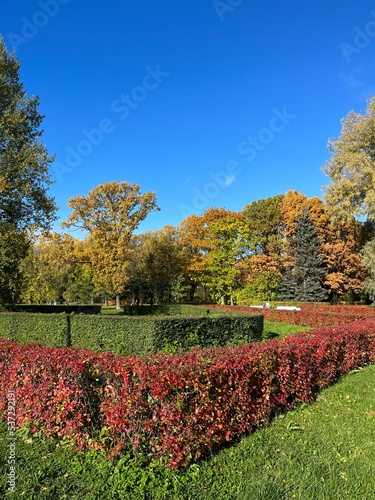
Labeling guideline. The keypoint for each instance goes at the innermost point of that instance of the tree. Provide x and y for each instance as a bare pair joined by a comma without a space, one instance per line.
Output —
155,265
303,281
352,166
14,246
49,268
24,162
110,213
261,269
217,241
369,261
292,207
265,223
342,249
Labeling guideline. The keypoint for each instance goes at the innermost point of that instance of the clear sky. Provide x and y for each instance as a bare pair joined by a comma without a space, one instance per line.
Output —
205,102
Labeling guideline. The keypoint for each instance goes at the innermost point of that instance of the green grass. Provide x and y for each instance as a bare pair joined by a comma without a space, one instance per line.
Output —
272,329
321,451
111,310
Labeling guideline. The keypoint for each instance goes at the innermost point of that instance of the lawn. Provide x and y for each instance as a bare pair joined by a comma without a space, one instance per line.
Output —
272,329
323,451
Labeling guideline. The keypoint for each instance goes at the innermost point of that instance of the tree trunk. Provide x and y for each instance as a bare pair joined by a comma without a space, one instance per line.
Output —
193,286
222,300
118,302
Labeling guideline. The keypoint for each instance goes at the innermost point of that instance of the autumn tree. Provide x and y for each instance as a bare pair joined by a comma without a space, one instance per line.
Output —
49,267
292,207
24,179
352,166
342,252
155,265
218,241
109,214
261,269
303,281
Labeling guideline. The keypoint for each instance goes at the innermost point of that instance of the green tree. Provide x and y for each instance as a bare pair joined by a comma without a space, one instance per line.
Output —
25,206
227,244
265,222
303,280
155,265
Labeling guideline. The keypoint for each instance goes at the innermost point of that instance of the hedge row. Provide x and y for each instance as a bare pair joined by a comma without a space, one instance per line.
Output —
55,309
175,408
27,328
130,335
315,316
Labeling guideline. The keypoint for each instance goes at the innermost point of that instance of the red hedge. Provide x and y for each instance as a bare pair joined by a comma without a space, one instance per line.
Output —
310,315
181,407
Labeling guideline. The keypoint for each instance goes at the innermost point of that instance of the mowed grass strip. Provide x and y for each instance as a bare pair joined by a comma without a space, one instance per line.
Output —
323,451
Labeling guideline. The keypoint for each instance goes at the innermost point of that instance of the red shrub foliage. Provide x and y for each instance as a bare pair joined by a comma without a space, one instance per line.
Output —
177,408
310,315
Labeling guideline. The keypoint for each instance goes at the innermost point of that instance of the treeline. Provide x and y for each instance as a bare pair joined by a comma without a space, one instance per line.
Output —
281,248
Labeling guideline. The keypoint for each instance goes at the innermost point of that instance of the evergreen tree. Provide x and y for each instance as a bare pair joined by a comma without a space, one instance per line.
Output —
303,280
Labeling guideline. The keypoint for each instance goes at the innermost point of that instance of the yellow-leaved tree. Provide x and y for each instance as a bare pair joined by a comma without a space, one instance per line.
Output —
109,214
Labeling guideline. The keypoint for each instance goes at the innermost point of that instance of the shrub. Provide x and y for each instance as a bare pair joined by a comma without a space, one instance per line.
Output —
57,391
26,328
123,335
175,408
55,309
145,335
315,315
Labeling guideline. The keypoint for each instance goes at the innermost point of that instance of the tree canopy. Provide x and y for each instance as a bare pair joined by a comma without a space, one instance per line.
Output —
24,160
352,166
25,206
110,213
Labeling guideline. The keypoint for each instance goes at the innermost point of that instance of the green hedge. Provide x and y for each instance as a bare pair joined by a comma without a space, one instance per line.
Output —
185,333
118,334
28,328
145,335
56,309
130,335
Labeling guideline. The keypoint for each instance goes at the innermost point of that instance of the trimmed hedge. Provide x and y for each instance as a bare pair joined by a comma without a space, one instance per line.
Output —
145,335
130,335
175,408
310,315
27,328
56,309
186,333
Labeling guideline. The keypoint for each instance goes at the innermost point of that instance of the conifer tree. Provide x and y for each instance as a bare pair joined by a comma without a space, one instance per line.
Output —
303,280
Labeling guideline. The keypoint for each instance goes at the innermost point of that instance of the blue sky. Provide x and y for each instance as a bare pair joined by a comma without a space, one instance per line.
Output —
206,103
